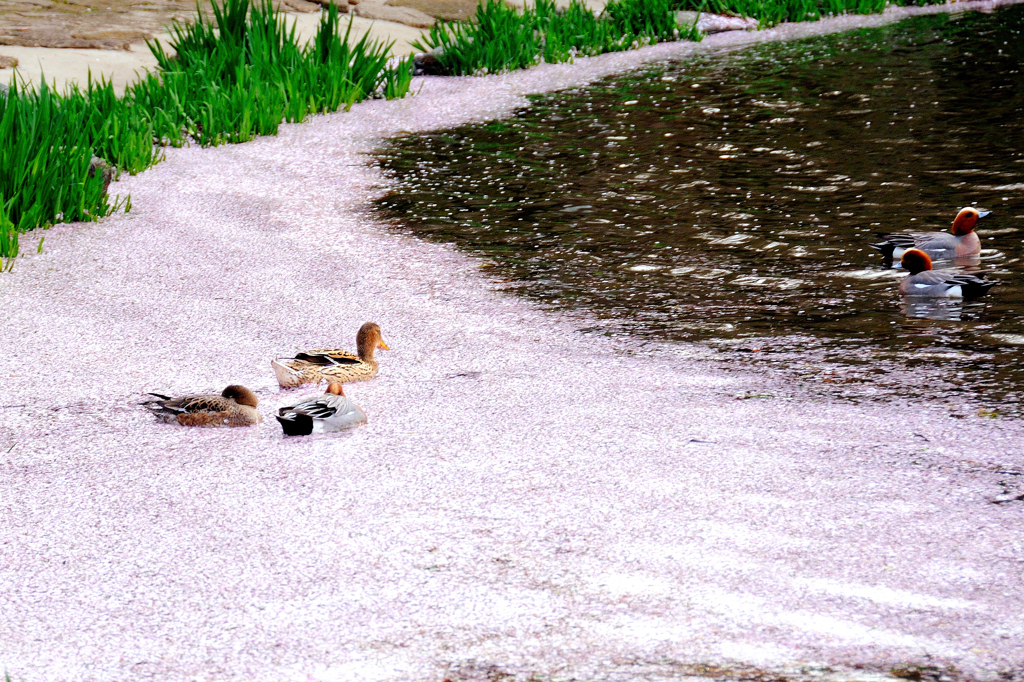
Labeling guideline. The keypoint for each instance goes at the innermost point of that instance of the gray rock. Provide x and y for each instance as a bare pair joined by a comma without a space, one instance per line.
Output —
342,5
715,23
98,165
448,10
429,64
298,6
399,15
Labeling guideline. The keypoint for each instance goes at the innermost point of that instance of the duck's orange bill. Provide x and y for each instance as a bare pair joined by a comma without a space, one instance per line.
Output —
383,345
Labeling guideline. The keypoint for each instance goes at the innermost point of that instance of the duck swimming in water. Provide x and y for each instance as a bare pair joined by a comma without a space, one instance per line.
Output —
235,406
925,282
331,364
330,412
959,242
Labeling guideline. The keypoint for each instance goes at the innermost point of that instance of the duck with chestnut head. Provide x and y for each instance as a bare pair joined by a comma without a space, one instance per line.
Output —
927,283
332,364
960,242
235,406
327,413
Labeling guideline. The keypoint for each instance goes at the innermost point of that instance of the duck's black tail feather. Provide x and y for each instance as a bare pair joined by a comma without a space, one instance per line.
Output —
295,423
891,241
974,286
885,248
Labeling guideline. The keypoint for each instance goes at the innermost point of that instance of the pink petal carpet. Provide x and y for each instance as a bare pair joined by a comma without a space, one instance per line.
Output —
526,500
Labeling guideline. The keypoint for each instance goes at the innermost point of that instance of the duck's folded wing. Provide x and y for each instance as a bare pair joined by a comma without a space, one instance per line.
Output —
932,277
189,404
971,285
897,240
325,357
966,278
935,241
317,408
903,240
201,403
952,278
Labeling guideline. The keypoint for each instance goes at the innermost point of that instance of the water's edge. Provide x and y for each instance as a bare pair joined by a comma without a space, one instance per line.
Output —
528,166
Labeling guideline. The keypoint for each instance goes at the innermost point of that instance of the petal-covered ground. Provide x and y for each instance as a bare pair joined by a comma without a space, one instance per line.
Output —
525,499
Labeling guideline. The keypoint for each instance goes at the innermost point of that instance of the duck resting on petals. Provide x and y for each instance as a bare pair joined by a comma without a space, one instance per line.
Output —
235,406
331,364
927,283
327,413
959,242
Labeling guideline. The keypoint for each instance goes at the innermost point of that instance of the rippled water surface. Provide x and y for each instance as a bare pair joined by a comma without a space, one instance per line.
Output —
731,198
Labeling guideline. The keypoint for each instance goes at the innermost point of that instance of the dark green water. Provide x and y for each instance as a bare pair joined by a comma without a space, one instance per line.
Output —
730,199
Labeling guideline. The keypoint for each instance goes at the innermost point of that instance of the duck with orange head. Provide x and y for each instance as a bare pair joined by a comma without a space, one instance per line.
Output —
927,283
327,413
960,242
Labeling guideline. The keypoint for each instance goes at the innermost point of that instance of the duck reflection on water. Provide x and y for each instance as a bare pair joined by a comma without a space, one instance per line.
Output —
947,309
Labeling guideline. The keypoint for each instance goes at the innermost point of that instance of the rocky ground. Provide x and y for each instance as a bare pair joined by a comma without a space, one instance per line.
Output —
116,24
67,42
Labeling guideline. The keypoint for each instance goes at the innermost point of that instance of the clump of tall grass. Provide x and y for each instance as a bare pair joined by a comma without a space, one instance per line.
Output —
771,12
47,143
243,73
232,78
501,38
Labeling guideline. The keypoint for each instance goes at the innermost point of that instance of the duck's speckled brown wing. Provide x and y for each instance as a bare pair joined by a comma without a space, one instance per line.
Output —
202,410
345,373
326,357
320,364
189,403
199,403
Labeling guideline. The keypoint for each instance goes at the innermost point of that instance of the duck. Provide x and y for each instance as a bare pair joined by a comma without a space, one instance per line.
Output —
329,364
327,413
925,282
959,242
235,406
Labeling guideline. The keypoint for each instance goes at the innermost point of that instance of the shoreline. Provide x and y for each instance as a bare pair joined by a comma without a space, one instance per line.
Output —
525,498
67,65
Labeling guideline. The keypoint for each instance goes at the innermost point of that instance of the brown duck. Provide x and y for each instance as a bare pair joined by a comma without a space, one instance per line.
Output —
331,364
235,406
